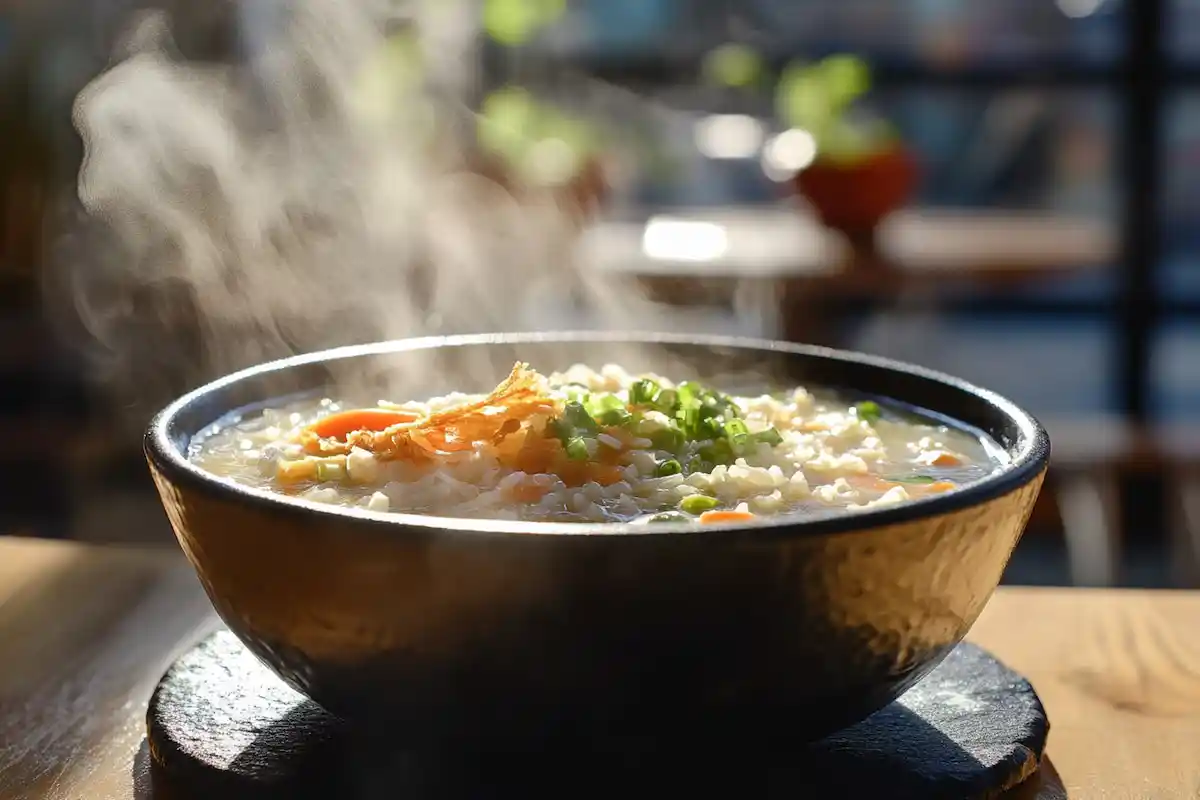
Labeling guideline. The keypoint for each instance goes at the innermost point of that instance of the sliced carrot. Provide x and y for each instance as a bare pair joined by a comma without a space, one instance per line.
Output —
944,459
537,455
605,474
509,447
607,455
572,473
718,516
872,483
939,487
343,423
577,473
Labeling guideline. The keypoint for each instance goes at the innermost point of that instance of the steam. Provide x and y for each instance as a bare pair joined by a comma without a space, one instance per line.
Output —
304,199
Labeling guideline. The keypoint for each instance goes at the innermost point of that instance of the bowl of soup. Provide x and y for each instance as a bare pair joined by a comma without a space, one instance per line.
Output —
609,540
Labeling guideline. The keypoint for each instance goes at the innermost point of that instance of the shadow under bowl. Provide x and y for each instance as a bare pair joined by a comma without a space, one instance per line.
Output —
506,635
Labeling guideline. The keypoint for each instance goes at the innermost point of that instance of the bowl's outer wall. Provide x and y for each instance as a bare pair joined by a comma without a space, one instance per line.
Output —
526,635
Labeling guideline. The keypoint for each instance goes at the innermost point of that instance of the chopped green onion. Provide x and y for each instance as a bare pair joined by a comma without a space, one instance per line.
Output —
667,401
738,435
698,464
615,418
577,449
559,429
709,429
736,427
599,403
769,436
709,412
701,413
698,503
719,451
670,439
689,418
868,411
608,410
726,406
689,394
575,415
643,393
668,467
575,392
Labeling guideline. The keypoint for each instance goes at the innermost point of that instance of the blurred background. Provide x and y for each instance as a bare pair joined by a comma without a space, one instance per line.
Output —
1002,189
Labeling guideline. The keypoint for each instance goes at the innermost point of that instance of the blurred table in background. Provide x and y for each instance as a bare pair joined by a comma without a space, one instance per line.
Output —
788,263
1090,455
783,242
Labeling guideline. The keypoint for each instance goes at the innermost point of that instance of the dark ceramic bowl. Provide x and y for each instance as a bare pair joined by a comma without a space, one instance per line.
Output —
504,634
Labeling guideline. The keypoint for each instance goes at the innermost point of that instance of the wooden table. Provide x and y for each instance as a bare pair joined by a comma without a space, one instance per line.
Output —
86,631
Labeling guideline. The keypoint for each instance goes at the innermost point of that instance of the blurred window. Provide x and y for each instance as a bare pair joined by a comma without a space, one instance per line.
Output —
1008,104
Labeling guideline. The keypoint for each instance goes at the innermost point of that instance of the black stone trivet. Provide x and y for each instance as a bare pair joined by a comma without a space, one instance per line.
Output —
222,725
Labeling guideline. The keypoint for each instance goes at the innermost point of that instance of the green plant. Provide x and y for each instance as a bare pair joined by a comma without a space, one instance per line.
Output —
538,142
515,22
735,66
821,99
399,67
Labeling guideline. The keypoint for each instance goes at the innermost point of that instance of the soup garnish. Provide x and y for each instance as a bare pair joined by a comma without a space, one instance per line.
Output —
605,446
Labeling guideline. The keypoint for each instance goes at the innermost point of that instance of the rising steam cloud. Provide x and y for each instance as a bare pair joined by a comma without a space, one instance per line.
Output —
280,204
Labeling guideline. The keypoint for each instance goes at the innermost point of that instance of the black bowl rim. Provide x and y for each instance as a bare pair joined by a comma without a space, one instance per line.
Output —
1030,460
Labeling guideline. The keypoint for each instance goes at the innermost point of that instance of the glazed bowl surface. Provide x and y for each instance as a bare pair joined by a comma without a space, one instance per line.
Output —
502,634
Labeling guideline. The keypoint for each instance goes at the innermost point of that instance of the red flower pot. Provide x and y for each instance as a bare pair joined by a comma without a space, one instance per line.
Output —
853,197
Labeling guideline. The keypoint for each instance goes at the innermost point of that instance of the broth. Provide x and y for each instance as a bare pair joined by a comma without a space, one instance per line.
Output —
599,446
